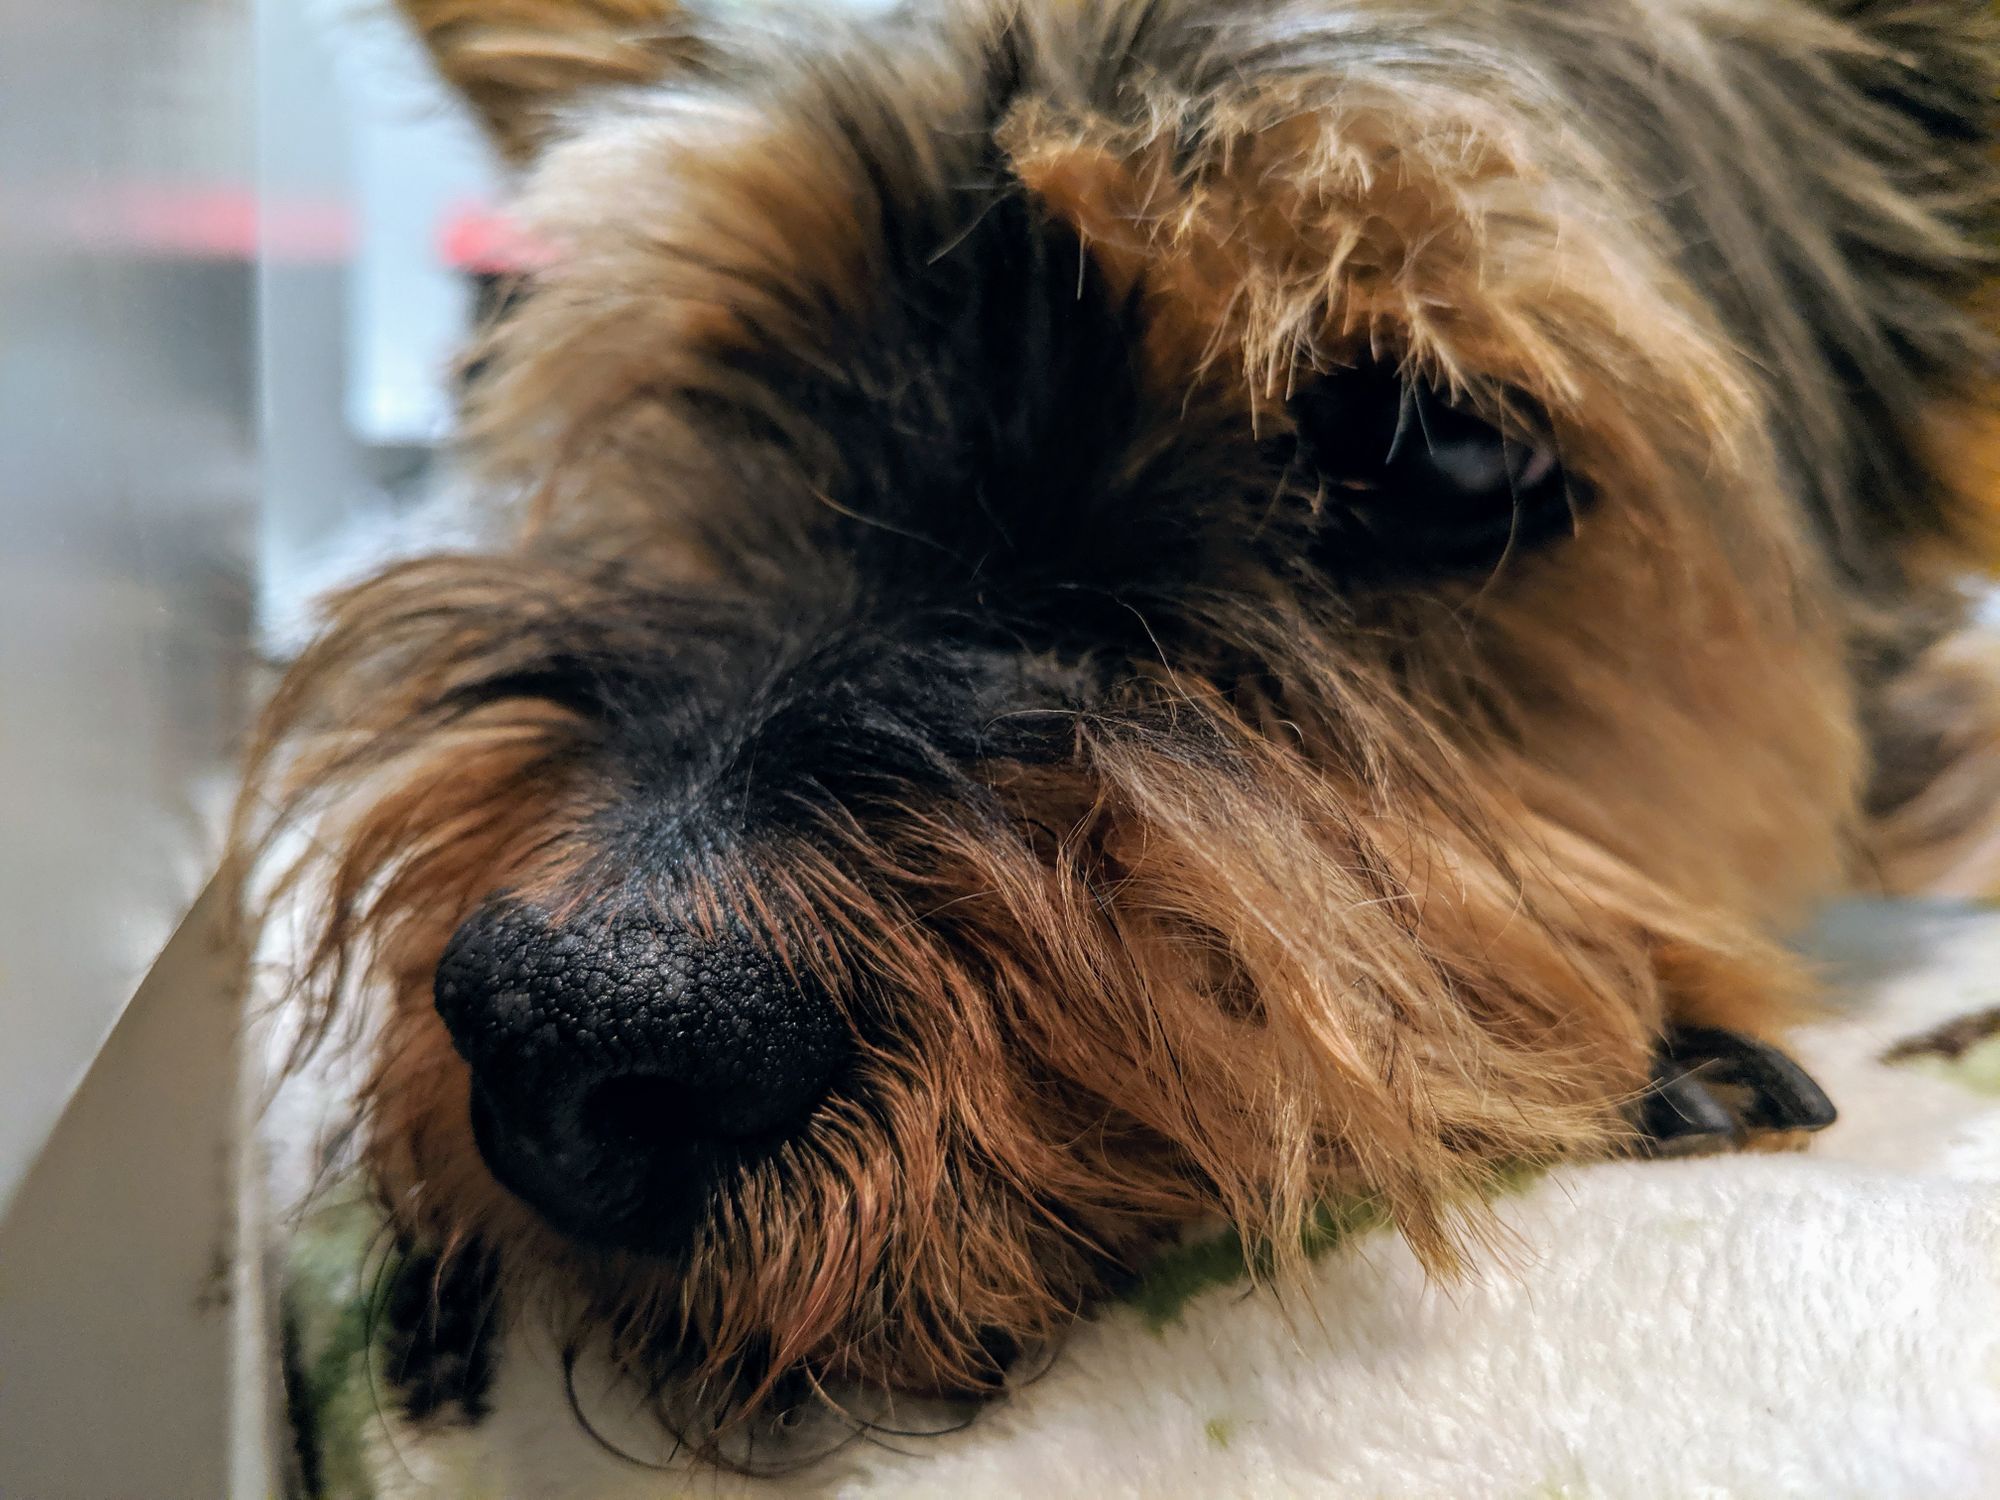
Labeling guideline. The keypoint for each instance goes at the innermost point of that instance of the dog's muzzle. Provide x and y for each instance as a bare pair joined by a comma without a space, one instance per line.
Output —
623,1065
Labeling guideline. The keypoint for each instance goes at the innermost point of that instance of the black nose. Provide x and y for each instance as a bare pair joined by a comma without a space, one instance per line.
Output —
622,1065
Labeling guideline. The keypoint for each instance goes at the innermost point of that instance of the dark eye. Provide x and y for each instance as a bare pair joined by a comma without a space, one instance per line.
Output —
1409,479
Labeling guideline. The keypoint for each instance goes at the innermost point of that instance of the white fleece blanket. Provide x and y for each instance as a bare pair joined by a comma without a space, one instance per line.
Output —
1761,1327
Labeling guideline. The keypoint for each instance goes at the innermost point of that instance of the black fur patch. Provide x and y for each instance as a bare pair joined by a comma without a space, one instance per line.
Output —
438,1330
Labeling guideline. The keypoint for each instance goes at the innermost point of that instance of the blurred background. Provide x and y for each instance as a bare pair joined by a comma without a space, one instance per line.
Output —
239,242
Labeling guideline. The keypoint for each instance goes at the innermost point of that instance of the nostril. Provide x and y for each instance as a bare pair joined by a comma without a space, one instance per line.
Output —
651,1109
643,1109
629,1111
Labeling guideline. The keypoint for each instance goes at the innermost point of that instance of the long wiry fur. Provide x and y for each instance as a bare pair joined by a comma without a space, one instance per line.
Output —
1320,885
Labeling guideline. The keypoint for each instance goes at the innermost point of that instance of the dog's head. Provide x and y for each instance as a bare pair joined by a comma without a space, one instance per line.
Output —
1122,612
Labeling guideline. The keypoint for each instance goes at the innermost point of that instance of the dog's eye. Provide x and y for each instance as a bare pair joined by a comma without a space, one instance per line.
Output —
1408,478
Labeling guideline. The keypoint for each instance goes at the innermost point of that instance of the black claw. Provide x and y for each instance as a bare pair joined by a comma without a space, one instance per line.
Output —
1780,1094
1679,1108
1710,1084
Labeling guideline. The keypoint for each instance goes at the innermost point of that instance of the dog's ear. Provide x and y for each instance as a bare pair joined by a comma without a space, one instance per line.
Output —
519,63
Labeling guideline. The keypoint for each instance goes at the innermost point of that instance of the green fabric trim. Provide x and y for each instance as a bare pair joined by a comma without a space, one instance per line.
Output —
1977,1068
333,1275
1178,1275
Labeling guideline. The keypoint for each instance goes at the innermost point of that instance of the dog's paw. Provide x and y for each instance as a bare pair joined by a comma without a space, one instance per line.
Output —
1713,1090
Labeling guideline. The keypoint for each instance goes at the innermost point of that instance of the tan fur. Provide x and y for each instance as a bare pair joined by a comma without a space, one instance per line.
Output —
1933,829
516,61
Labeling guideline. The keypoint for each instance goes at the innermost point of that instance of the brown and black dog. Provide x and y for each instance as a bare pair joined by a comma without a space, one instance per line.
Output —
1123,612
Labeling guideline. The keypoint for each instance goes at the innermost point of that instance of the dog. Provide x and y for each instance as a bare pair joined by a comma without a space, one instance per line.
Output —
1124,613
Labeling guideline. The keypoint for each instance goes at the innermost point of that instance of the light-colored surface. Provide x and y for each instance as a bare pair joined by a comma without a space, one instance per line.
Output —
320,480
115,1265
363,322
1823,1326
126,478
418,159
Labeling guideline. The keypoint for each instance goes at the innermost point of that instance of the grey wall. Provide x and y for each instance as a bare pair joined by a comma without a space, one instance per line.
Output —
126,479
127,474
